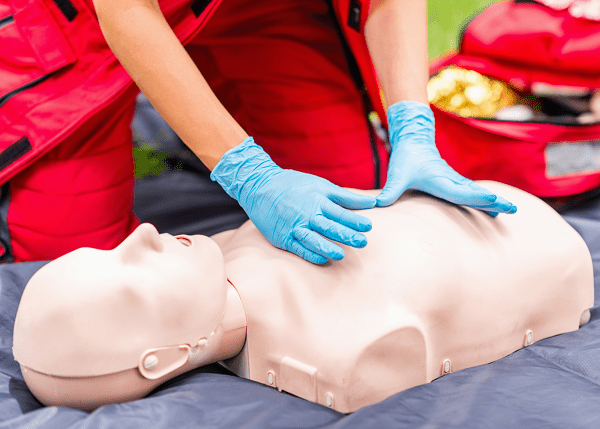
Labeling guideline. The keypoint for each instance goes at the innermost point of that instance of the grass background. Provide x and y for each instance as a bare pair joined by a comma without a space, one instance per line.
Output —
446,18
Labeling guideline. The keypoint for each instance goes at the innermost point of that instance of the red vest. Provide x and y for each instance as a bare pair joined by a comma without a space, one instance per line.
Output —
352,15
60,58
57,72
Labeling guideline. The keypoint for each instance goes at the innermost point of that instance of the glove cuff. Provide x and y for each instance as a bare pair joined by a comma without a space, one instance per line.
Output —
410,117
240,165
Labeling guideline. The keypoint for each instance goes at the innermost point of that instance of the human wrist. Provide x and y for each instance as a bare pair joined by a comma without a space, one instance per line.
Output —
410,118
239,165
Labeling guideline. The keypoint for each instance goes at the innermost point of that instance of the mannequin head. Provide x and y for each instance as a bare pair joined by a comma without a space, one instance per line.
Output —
94,313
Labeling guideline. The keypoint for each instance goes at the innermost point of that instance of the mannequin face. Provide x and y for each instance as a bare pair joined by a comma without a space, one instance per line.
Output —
95,312
164,258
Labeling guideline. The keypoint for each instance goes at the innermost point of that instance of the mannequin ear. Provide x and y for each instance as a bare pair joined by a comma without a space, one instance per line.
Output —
155,363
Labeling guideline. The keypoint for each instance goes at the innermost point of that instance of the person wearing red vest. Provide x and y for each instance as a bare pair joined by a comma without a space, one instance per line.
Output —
296,75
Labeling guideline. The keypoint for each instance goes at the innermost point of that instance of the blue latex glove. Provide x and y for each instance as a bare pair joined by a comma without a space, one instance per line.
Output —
415,163
291,208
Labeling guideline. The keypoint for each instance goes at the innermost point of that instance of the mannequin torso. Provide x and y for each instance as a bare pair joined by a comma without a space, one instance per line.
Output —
436,282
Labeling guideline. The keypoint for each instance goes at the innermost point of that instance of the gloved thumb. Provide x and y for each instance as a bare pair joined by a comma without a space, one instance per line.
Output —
350,200
390,193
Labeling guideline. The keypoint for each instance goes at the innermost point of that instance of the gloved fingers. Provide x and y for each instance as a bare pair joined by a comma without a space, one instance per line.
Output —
345,217
493,210
349,199
475,186
340,233
505,206
499,206
317,244
390,193
500,202
486,210
307,255
499,199
462,193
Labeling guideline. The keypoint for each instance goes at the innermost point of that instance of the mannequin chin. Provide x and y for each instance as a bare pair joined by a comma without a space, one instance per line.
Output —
437,289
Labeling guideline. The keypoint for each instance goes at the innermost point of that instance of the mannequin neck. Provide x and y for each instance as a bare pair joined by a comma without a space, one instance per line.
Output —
228,338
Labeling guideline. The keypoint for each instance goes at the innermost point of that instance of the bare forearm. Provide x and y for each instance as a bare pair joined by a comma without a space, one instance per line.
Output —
141,39
396,34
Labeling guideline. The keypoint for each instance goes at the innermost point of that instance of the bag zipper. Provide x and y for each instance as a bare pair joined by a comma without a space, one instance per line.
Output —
6,20
532,121
11,94
535,122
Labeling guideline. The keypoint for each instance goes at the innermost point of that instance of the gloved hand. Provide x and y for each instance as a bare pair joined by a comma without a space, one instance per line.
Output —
291,208
415,163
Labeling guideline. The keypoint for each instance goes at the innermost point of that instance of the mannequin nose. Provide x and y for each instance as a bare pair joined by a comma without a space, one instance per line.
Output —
145,238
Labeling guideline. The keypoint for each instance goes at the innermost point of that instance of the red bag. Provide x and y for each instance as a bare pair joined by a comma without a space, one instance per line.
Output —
527,45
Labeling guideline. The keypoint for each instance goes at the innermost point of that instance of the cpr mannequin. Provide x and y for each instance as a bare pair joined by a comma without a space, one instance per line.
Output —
438,288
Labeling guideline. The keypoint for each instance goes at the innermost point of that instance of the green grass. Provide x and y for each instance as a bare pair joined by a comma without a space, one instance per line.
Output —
446,18
150,161
445,21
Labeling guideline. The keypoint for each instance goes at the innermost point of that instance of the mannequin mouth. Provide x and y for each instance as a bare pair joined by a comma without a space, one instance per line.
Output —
186,241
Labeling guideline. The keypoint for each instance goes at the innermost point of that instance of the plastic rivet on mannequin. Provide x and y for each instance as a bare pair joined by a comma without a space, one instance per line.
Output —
329,400
270,378
163,360
150,362
528,338
585,317
446,367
